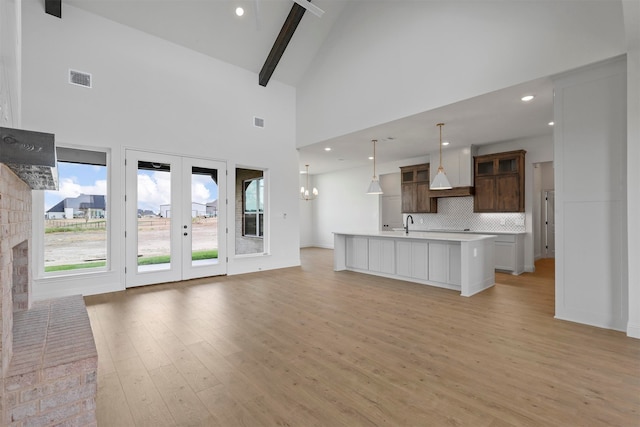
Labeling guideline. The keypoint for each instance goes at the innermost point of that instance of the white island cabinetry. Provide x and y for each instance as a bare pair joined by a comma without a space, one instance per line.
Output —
357,256
463,262
412,259
445,263
382,256
510,253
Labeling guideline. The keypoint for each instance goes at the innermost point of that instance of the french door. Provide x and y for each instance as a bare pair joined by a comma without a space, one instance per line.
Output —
175,218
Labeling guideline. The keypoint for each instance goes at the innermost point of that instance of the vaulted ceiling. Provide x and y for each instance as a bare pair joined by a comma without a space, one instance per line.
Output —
212,28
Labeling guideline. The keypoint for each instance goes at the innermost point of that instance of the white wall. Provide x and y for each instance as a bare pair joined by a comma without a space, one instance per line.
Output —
591,223
10,62
386,60
632,26
344,205
152,95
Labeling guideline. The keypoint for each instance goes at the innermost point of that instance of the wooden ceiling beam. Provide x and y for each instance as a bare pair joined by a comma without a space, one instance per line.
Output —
277,50
53,7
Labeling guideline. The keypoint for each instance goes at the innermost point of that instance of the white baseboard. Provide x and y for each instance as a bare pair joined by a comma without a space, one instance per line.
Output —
318,246
590,320
85,289
633,330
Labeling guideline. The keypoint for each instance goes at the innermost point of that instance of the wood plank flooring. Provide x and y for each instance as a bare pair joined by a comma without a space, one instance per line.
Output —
308,346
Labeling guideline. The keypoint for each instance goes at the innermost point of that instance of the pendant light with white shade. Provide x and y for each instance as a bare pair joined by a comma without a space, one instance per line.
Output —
440,182
304,191
374,187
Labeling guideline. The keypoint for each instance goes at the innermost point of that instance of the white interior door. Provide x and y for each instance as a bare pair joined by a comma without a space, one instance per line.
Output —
550,224
175,226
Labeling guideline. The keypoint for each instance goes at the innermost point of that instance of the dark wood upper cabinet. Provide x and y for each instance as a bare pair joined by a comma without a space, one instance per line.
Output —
499,182
415,190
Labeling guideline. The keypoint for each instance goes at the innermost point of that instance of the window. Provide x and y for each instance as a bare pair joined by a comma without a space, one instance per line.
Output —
253,207
75,216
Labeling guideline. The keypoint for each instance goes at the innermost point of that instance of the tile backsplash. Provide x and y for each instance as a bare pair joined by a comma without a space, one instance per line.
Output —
456,213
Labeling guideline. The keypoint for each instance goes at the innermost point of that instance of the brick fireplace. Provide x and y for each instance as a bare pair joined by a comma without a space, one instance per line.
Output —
47,352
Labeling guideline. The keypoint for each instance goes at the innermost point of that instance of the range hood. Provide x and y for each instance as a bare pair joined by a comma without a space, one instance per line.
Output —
461,191
458,165
30,155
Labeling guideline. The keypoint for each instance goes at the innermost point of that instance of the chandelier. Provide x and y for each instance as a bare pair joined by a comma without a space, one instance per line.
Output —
304,191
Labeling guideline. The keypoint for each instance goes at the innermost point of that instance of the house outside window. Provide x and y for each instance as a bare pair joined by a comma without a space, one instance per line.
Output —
75,217
251,216
253,207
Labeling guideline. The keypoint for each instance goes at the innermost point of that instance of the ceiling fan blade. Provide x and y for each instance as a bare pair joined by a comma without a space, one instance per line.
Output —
257,7
310,7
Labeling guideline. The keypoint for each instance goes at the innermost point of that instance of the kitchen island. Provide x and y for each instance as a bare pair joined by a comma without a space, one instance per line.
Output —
458,261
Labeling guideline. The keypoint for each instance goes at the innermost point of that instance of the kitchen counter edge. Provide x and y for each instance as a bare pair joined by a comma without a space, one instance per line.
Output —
422,235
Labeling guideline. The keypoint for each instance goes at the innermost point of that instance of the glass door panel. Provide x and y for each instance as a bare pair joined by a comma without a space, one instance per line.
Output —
204,219
204,216
154,216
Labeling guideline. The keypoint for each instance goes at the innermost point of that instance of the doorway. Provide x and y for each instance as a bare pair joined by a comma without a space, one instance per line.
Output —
175,228
549,224
390,202
543,220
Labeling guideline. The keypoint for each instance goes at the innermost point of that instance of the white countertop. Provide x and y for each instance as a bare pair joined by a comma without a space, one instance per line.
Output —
476,232
422,235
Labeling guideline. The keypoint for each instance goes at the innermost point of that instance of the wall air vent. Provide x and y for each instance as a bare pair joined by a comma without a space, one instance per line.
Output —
80,78
258,122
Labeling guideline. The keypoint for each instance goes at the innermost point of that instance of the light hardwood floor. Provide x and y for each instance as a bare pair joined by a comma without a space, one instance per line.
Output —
308,346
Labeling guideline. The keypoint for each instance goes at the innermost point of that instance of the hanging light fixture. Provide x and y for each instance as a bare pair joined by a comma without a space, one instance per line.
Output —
440,182
374,187
304,191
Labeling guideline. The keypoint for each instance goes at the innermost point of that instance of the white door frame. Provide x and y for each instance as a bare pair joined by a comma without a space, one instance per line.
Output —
181,267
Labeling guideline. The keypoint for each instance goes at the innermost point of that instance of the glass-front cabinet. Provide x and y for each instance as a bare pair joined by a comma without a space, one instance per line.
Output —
415,193
499,182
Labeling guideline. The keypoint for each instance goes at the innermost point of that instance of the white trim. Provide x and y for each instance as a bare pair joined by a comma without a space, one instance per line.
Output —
633,330
92,281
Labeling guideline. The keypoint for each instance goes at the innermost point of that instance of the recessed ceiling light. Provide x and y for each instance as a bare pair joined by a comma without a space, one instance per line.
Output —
327,149
239,11
527,98
445,142
551,123
370,157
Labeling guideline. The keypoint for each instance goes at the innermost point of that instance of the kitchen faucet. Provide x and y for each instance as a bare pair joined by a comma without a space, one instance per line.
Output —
406,227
